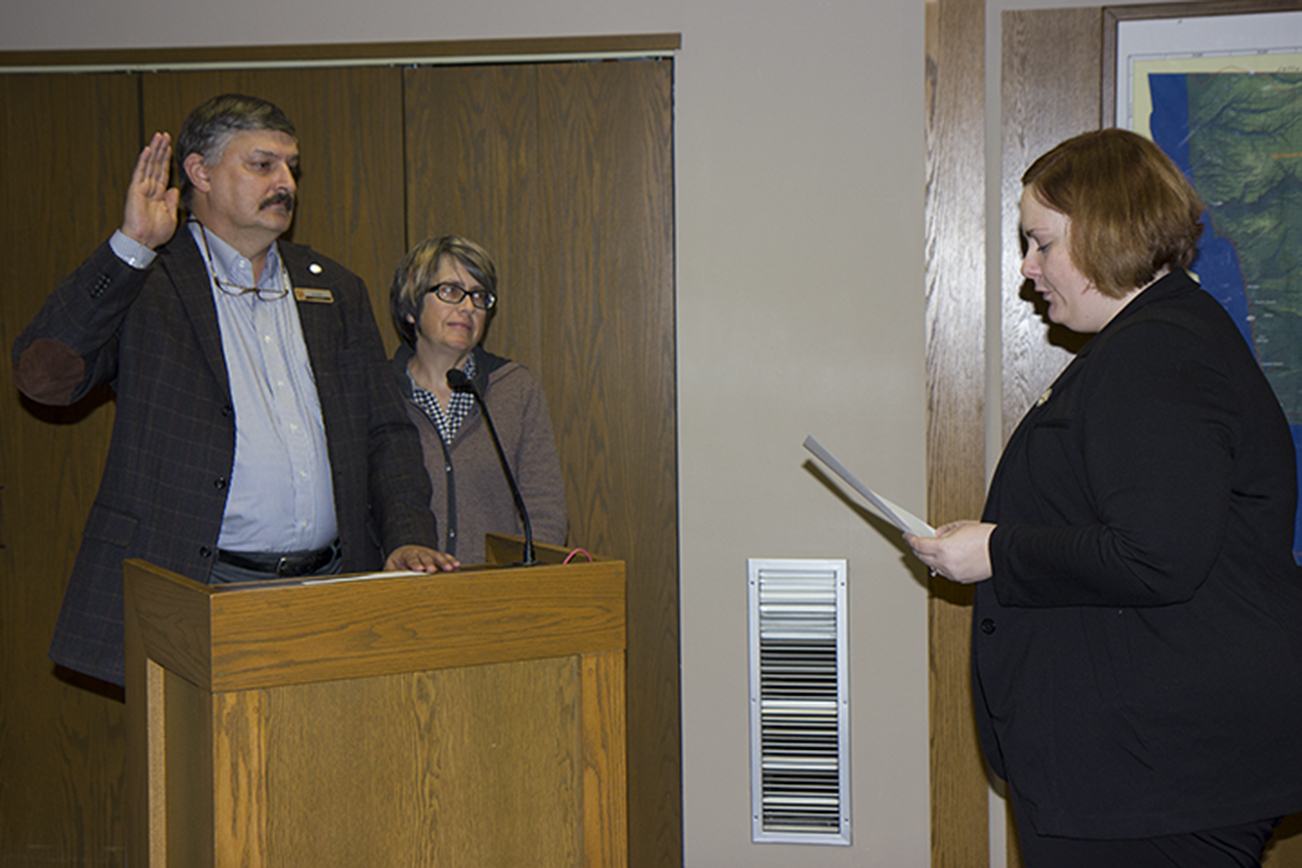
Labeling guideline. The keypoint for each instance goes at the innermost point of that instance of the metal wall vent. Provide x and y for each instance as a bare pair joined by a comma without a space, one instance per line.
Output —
799,702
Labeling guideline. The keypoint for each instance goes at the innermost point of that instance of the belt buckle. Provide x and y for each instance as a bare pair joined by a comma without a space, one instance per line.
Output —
282,567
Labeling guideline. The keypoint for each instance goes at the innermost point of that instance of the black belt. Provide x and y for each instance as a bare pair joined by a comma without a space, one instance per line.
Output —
304,564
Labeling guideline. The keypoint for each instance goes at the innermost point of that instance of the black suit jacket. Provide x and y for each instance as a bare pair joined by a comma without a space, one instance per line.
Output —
153,334
1138,652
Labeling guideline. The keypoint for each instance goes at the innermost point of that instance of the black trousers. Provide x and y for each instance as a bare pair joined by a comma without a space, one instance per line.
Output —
1230,847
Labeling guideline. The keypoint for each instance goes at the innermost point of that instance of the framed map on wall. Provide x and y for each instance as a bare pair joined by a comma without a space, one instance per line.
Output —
1222,96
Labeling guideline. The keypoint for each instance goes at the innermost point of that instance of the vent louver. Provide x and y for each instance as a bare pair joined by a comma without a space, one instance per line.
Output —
799,704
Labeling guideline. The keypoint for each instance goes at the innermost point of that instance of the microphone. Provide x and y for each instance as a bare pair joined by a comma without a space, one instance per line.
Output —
458,380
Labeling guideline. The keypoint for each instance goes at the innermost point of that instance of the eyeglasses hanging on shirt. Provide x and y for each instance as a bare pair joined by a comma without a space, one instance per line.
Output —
229,287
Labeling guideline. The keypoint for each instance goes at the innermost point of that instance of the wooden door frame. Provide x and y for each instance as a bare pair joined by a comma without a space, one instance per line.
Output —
955,327
521,50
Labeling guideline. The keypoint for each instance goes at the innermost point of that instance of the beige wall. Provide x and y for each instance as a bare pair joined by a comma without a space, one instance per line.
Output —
799,163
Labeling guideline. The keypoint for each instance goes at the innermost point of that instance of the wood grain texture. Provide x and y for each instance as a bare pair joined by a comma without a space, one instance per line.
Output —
69,143
565,172
153,734
462,619
472,151
189,801
605,810
1285,848
607,179
955,335
146,750
345,53
349,124
1047,96
266,634
471,763
174,623
614,229
1197,8
473,766
241,777
502,549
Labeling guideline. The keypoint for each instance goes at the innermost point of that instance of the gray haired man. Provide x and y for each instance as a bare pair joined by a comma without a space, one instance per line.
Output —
257,433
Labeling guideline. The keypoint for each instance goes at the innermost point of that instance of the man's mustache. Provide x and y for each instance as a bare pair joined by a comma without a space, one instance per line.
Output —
283,197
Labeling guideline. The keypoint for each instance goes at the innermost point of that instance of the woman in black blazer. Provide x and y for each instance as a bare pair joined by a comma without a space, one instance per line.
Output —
1137,632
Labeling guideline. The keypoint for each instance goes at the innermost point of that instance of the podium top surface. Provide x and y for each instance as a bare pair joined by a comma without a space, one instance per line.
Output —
293,631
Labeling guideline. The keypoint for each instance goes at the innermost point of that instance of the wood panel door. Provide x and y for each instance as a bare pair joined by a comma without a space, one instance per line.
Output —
564,172
69,144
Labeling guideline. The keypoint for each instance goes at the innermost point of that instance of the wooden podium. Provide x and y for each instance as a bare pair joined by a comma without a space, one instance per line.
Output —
470,719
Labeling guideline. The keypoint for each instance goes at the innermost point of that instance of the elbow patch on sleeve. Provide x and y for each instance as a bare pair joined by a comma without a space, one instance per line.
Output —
49,371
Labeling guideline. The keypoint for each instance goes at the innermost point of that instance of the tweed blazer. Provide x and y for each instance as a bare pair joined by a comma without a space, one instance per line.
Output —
1138,651
153,335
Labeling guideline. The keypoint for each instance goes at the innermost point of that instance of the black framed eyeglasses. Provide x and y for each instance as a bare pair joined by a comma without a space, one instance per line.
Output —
453,293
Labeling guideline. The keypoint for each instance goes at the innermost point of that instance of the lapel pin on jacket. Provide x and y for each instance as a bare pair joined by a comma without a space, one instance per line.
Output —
311,293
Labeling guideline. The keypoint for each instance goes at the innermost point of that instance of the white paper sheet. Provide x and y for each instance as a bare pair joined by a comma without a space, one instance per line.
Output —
895,514
362,577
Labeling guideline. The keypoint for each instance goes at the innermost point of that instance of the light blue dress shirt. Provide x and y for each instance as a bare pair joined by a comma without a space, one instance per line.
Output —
281,496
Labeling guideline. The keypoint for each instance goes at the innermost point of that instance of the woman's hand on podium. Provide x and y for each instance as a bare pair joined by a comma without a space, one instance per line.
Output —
419,559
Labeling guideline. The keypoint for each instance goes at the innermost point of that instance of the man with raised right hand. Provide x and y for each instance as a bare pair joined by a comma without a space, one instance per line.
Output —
257,433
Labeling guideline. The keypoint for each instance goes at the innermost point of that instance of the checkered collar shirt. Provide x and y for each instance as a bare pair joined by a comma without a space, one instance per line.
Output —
449,421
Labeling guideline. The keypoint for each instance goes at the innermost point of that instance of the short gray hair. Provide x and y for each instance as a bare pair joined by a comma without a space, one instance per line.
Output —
208,129
412,277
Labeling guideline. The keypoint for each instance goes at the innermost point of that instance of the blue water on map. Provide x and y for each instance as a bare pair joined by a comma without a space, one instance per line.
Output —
1217,265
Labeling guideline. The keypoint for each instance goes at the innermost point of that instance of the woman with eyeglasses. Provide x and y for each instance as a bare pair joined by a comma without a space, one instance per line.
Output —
443,294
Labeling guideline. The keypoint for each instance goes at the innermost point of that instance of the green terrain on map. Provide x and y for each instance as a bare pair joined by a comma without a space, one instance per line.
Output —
1245,156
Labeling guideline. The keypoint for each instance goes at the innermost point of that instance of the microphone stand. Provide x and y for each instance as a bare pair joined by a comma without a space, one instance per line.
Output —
458,380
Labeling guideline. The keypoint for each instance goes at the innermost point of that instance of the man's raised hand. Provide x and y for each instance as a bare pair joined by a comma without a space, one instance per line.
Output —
150,213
